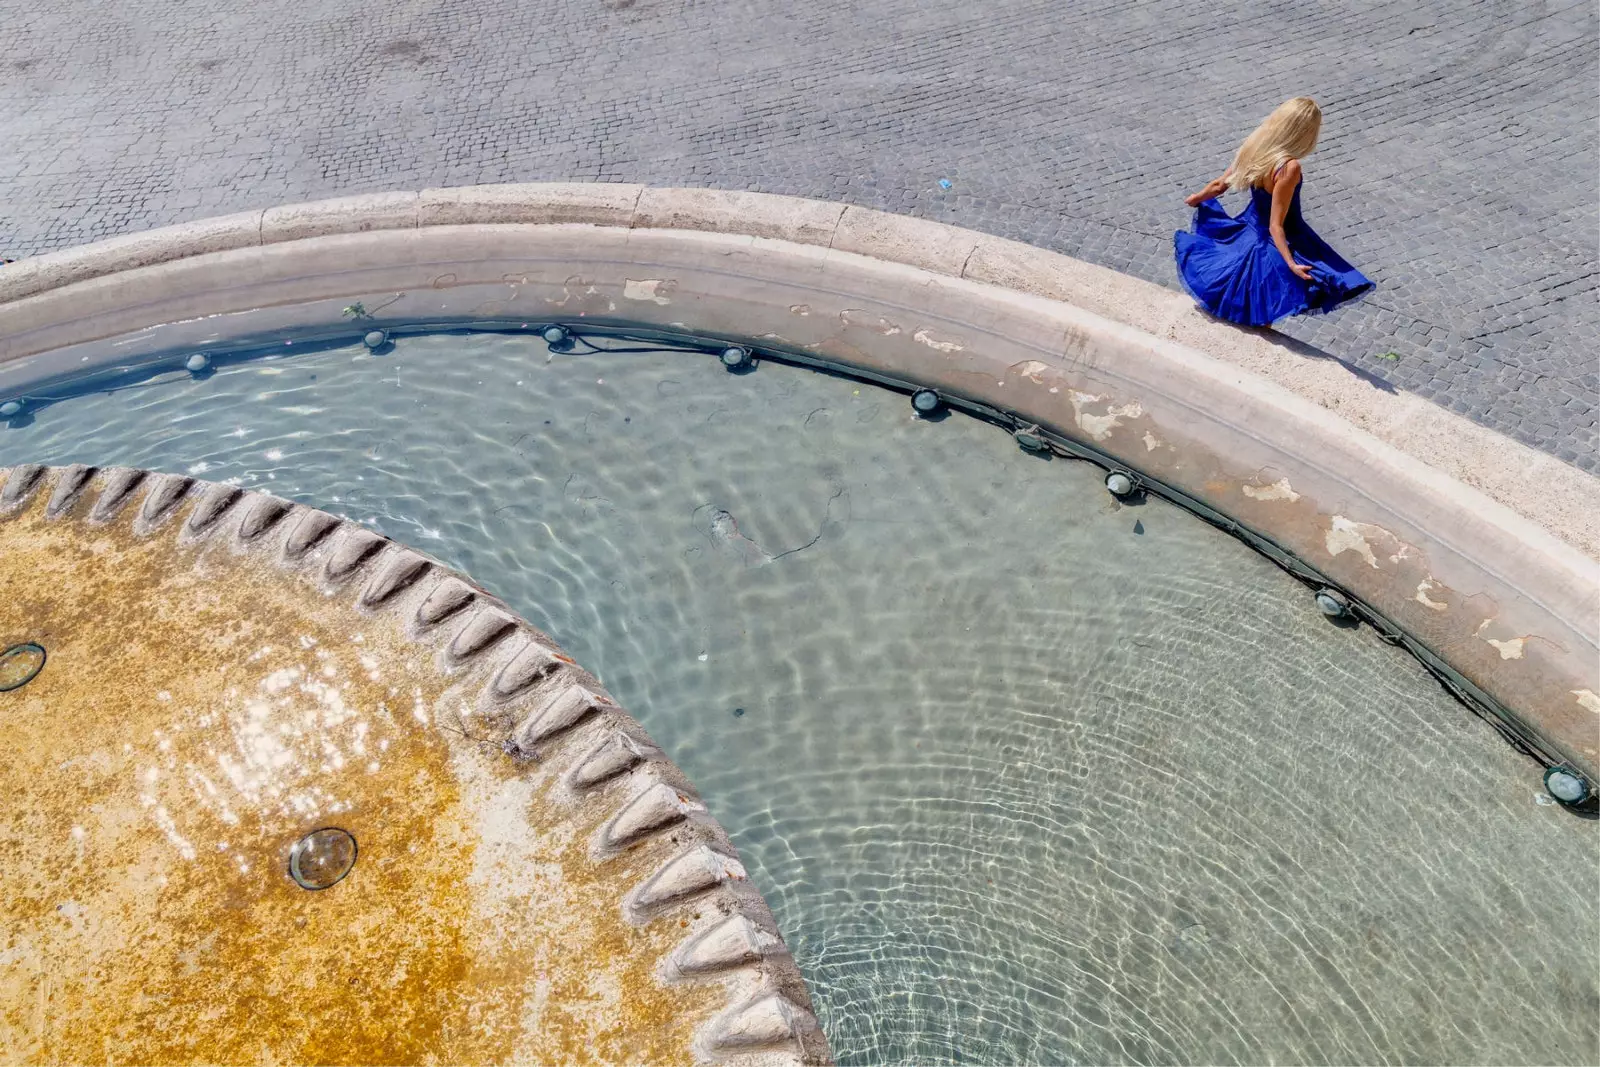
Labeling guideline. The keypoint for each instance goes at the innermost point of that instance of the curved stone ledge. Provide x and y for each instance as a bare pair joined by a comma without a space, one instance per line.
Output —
1388,495
564,846
1556,496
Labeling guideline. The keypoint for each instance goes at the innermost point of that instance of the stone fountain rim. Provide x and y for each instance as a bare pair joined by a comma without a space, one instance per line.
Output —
1525,523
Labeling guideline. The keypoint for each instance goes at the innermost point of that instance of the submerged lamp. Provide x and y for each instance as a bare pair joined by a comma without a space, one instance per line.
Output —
926,401
375,338
1031,439
1567,785
1332,604
322,858
1120,483
20,664
738,357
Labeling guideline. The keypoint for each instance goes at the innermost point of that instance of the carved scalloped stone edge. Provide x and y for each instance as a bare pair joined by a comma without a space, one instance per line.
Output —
532,700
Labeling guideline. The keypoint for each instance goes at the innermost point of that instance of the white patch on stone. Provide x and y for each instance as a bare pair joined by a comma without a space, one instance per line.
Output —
1151,441
1367,541
1032,370
1278,490
1424,587
1511,649
1587,699
1100,426
1346,536
875,323
646,289
926,338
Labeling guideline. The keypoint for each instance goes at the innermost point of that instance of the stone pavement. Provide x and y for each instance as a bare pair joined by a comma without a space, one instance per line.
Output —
1458,167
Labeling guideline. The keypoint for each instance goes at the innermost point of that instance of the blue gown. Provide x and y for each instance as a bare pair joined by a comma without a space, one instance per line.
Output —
1230,265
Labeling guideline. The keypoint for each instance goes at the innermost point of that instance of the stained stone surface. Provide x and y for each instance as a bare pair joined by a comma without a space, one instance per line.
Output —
1457,166
285,791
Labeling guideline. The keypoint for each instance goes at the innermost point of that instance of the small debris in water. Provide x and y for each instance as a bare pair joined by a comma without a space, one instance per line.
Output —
1138,527
703,657
1544,800
738,713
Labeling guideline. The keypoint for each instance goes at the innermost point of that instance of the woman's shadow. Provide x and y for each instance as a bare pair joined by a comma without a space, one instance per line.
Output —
1300,348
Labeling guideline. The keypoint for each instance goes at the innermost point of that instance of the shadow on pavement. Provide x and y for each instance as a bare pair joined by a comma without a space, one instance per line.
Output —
1300,348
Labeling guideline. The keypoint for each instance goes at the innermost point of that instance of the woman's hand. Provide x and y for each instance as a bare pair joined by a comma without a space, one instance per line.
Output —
1301,271
1214,188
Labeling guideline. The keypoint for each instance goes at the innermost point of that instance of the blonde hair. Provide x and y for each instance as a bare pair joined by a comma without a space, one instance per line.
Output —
1290,132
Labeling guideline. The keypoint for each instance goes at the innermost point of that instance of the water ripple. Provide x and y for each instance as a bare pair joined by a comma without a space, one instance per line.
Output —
1022,785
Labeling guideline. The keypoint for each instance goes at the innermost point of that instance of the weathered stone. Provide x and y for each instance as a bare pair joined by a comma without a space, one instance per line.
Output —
308,532
447,598
20,484
120,484
164,496
771,1020
261,514
559,712
352,549
531,663
695,871
400,570
483,628
733,942
616,754
70,484
653,809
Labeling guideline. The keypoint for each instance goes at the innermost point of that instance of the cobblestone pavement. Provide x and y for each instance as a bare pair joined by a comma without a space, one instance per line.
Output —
1458,167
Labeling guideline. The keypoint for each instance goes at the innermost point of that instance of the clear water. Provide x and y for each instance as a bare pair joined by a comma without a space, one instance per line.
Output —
1027,776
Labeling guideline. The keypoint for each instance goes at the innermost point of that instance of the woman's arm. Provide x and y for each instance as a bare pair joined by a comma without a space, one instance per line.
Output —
1214,188
1282,195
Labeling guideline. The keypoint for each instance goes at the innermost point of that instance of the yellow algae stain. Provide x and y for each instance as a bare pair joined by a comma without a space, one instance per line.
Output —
199,712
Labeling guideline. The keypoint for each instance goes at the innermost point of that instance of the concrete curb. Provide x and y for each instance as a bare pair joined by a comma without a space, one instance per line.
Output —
1481,547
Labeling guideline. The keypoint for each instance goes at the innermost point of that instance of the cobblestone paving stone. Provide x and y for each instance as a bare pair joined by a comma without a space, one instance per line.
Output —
1458,167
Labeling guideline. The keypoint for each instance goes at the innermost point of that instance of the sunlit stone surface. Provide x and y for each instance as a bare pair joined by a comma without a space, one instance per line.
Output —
208,702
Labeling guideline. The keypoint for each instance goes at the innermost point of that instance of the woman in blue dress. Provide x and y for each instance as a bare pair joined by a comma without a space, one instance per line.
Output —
1264,263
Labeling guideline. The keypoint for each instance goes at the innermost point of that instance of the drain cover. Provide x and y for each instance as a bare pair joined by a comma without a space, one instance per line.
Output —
19,664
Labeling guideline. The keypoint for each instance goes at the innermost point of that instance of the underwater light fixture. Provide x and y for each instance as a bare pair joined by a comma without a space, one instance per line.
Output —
926,401
322,858
197,363
375,338
10,408
738,357
555,335
1332,604
1567,785
20,664
1120,483
1031,439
